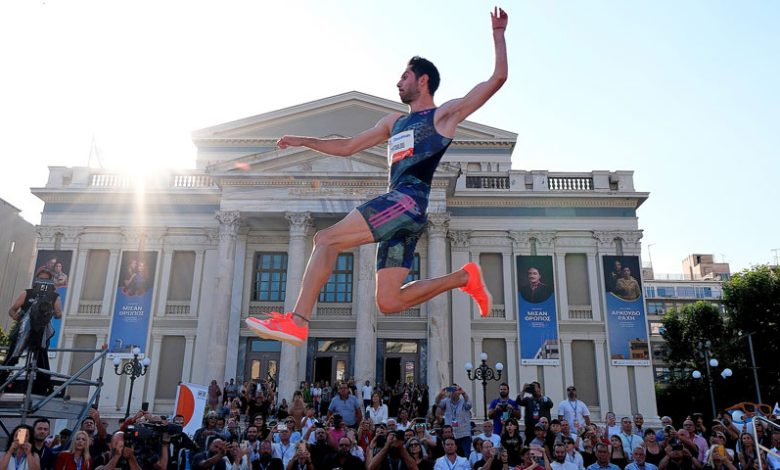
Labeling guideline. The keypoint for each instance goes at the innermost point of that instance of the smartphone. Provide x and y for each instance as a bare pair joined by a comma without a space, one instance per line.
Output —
721,450
450,389
22,435
145,406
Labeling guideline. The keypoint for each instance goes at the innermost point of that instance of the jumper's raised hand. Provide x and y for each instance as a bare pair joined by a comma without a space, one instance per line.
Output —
499,18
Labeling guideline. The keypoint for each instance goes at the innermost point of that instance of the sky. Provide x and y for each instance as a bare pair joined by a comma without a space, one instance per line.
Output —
683,93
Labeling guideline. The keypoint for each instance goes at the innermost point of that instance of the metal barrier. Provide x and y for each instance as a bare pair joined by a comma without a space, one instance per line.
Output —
768,426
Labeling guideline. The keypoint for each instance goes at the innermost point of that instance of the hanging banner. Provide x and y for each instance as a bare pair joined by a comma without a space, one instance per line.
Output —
626,320
191,402
537,313
133,306
58,263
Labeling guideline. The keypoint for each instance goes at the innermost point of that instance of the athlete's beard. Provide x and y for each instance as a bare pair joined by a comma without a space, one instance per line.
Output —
408,96
503,394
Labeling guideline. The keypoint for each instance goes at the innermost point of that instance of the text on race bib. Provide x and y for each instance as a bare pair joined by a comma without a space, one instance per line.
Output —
400,146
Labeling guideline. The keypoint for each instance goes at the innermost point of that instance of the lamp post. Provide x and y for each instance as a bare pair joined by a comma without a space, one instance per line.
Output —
753,362
484,373
133,368
703,351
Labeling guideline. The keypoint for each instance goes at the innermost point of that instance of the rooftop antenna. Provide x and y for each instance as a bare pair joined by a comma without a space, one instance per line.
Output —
94,152
775,250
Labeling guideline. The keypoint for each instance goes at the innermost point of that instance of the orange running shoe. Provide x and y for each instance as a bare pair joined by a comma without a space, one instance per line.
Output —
280,327
475,287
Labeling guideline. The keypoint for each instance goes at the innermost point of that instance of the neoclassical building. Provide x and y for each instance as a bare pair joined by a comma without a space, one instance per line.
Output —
232,237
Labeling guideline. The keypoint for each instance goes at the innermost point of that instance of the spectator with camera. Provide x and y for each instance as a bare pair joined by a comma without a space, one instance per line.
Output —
18,454
118,456
535,406
456,410
491,457
678,457
392,454
502,408
285,448
573,409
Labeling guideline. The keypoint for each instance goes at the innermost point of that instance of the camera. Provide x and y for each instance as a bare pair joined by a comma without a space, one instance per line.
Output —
529,389
399,435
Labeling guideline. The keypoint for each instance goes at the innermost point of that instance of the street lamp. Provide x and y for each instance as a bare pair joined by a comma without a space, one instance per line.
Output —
703,351
133,368
484,373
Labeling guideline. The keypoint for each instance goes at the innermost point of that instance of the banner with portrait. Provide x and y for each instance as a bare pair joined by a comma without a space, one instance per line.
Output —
133,305
58,263
537,313
626,320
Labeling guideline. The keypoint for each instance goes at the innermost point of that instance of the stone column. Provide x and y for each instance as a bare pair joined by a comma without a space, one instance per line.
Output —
439,359
236,303
229,222
460,241
290,361
365,328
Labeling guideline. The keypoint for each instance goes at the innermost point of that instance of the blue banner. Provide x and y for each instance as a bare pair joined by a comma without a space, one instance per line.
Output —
626,320
133,306
58,263
537,312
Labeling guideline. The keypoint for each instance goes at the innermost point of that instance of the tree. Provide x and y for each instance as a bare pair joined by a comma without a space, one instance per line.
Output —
685,329
752,300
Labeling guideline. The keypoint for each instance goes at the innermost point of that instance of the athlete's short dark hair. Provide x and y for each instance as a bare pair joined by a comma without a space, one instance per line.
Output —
420,67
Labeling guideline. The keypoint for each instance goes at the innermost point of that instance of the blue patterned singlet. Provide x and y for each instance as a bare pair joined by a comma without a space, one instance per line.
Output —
398,218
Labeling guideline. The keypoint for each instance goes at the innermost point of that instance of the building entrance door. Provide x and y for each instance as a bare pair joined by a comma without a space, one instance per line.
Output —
262,360
401,360
331,361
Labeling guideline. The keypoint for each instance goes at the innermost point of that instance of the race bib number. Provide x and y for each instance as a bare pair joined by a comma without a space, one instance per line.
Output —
400,146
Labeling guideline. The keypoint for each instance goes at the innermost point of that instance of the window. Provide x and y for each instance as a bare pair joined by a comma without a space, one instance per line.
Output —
95,275
270,281
339,286
704,292
182,271
662,374
492,265
686,291
649,292
656,327
337,345
665,291
655,308
577,282
403,347
414,273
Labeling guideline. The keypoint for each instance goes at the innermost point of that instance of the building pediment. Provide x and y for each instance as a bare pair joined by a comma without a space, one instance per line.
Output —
346,114
302,161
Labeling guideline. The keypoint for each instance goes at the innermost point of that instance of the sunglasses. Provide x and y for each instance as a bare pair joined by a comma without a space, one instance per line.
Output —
752,408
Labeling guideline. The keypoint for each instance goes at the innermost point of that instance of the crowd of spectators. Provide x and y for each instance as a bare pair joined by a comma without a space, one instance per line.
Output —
363,427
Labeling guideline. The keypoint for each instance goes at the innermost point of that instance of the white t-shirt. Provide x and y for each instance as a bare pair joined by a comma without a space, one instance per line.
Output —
377,416
574,412
443,463
494,438
367,391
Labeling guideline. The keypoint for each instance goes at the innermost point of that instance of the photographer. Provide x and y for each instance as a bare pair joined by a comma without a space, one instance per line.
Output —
535,406
19,455
393,455
118,456
302,459
502,408
456,411
32,311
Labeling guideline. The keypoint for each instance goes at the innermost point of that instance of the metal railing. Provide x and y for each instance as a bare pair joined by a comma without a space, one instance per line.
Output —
768,425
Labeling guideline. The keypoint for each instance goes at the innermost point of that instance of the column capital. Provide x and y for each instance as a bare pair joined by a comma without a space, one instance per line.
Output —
460,239
437,223
630,238
229,223
606,240
544,240
300,223
520,240
48,233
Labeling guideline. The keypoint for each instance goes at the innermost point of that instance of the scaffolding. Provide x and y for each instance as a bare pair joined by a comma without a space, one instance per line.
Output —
56,404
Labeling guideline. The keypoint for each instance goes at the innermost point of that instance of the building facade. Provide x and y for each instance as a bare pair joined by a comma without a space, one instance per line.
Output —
232,237
17,245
